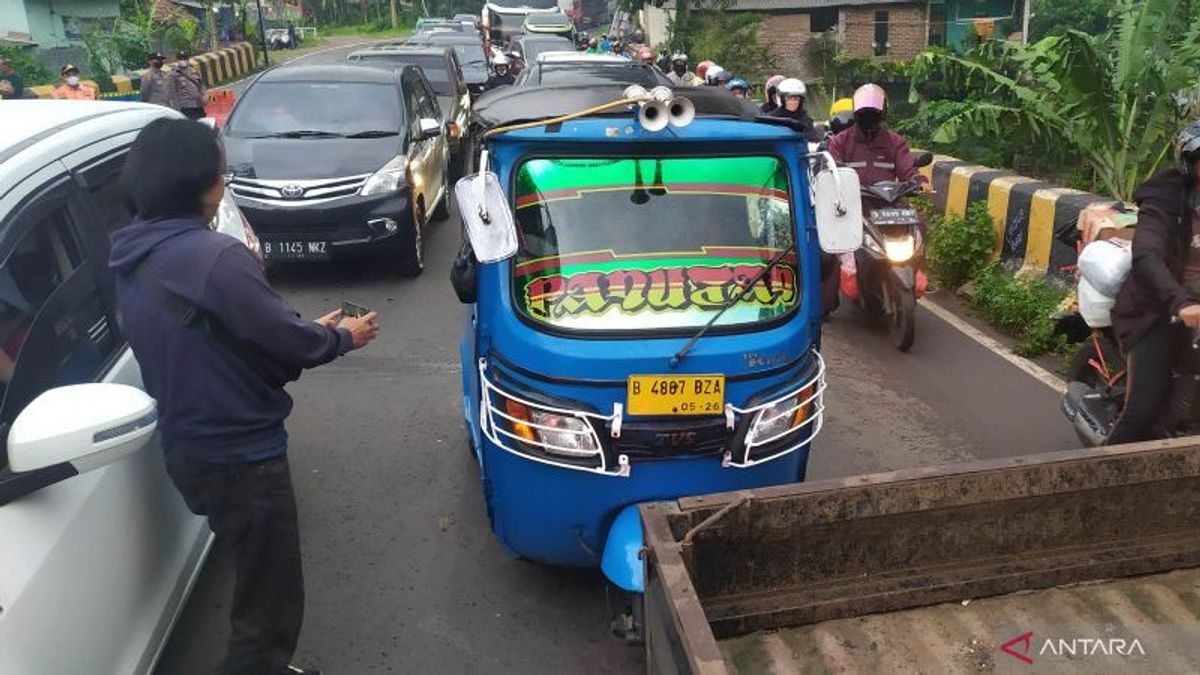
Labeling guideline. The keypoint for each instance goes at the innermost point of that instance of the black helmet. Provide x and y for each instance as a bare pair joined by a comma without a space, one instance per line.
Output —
1187,149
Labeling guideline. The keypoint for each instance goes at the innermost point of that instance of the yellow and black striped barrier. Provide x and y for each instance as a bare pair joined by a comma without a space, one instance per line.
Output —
1035,222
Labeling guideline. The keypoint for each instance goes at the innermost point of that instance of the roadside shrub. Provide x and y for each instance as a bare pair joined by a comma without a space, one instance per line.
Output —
959,248
1021,307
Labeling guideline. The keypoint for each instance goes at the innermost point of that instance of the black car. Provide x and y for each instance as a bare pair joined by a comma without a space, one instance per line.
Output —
591,72
471,57
531,45
441,68
326,161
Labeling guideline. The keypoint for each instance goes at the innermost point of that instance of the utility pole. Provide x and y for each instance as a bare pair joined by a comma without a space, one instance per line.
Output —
1025,4
262,34
395,17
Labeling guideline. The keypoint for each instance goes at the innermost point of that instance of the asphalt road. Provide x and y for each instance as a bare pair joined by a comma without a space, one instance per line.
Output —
403,574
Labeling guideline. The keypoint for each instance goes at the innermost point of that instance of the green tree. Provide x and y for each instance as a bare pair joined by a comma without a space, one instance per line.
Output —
1055,17
1113,101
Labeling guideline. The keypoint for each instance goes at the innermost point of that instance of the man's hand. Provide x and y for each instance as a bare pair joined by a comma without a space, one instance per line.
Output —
362,330
331,319
1190,316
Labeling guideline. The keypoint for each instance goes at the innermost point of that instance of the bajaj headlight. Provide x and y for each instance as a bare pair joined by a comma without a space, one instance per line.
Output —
557,434
388,179
784,416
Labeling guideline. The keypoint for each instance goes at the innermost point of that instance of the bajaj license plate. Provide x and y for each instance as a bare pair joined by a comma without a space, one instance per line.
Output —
676,394
275,249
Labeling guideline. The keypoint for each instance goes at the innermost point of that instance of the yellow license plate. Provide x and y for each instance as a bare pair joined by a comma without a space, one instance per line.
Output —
676,394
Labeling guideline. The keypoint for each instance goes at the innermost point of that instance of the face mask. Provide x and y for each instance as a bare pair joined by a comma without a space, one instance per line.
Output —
868,121
679,68
73,81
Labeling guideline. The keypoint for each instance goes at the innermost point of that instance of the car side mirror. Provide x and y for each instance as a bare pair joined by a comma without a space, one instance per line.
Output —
838,208
85,425
923,159
487,216
430,128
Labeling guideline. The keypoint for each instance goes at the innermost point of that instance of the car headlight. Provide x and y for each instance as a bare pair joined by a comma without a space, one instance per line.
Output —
556,434
387,179
783,416
900,250
230,220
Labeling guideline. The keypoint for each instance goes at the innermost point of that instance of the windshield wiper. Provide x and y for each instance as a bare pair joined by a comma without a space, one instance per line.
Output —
302,133
683,351
373,133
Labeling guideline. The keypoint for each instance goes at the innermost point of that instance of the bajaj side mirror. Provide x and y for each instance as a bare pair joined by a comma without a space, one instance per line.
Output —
487,216
838,209
923,159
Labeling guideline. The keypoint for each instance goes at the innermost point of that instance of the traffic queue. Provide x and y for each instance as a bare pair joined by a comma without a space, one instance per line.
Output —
602,367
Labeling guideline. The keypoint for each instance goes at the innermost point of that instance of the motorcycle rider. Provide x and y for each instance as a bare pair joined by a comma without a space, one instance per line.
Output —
873,150
791,93
500,74
771,94
679,75
738,87
1164,282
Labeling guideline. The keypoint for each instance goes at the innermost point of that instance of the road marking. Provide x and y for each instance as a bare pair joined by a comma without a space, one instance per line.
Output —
999,349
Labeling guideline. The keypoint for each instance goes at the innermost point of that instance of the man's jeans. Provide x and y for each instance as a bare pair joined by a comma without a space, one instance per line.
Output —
252,510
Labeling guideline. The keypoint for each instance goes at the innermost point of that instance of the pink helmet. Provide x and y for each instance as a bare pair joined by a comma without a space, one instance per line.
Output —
870,96
772,81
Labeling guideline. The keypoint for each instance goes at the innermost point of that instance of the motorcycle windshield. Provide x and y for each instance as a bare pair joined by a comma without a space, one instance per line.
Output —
652,244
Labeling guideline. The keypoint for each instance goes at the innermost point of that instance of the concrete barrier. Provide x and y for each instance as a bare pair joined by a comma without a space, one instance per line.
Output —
217,67
1035,222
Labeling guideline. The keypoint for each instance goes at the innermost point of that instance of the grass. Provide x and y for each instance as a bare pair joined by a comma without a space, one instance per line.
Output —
367,30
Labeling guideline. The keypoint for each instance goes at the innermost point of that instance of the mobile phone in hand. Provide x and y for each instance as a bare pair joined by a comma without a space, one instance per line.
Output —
354,310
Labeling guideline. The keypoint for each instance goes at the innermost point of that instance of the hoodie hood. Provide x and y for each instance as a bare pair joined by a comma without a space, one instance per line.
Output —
134,242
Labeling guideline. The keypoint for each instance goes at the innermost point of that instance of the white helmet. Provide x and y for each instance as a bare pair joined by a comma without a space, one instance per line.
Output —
679,56
710,76
500,60
791,87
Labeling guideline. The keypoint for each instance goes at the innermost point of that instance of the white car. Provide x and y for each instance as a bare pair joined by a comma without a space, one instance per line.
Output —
97,550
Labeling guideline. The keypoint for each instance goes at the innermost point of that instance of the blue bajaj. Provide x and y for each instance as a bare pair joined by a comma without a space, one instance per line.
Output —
645,310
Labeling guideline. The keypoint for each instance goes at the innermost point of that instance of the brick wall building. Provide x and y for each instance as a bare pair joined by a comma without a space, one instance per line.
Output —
872,28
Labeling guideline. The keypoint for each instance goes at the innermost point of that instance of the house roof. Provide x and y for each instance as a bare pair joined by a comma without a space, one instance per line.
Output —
801,5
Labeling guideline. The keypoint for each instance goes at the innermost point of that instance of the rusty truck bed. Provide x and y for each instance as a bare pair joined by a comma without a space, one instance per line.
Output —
828,576
1145,624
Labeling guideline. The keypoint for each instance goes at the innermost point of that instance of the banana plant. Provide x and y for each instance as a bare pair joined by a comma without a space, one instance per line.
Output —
1115,101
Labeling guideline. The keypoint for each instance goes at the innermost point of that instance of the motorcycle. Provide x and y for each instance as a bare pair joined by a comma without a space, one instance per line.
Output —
886,280
1097,376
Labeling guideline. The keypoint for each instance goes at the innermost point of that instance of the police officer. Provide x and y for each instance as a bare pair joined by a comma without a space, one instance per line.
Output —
189,88
158,86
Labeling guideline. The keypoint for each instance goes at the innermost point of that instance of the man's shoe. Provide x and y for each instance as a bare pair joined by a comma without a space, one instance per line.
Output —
293,670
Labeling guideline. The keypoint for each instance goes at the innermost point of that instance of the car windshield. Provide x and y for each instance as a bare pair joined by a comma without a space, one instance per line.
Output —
435,67
585,74
547,20
637,244
316,109
470,55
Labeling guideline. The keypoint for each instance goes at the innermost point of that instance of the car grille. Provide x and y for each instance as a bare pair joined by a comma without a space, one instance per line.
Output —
297,192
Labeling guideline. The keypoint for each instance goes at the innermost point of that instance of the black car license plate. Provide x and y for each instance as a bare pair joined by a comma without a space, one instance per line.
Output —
295,250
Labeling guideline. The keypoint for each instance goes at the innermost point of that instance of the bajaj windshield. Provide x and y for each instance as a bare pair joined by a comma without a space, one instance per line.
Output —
651,244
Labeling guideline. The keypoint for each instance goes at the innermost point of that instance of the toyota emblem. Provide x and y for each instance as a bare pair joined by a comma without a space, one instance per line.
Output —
291,191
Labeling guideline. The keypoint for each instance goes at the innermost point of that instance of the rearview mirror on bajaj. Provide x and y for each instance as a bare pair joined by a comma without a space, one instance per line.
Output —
645,315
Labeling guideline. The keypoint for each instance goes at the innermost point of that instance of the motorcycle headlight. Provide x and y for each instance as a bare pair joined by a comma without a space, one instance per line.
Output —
387,179
783,416
900,250
870,244
556,434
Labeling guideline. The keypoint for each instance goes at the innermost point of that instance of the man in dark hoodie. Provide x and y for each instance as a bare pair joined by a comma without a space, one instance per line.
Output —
216,345
1164,283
